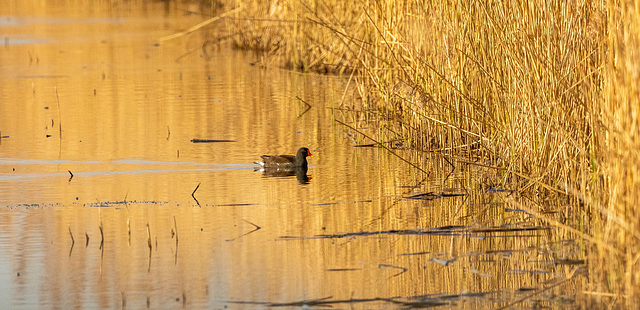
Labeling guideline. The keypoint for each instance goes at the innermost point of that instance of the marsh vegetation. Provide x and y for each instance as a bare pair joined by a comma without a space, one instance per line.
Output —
540,96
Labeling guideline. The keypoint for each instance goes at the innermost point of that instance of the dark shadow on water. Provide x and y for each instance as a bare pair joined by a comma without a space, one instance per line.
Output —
462,231
299,172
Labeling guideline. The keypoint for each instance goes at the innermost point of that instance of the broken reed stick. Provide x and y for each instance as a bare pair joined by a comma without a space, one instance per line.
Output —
73,241
101,235
198,26
256,226
59,113
211,141
306,103
194,191
194,197
86,236
303,101
149,237
176,227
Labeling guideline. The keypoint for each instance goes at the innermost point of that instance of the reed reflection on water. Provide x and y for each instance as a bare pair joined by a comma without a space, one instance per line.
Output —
106,201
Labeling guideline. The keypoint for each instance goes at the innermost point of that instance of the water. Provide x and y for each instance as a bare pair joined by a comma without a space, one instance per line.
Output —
105,202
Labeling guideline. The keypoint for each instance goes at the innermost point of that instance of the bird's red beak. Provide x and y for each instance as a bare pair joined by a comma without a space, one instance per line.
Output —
309,154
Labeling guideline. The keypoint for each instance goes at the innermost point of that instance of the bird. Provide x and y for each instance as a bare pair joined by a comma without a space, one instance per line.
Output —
286,161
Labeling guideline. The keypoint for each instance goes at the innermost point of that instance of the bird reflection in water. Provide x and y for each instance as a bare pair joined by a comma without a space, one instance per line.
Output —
299,172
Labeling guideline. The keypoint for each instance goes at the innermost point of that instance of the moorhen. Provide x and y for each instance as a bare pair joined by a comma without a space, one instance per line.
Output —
286,161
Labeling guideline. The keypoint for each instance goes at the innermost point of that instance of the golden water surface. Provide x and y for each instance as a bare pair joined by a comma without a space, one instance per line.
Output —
97,172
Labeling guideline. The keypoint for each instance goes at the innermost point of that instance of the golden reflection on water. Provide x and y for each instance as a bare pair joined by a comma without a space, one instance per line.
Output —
128,108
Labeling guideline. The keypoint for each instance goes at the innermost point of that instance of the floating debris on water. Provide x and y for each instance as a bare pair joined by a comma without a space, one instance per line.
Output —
210,141
433,195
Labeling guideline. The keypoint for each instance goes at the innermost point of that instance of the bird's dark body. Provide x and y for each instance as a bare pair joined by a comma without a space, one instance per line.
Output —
287,161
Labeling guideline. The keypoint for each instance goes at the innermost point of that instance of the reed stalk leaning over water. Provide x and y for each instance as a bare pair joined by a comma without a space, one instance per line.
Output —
544,92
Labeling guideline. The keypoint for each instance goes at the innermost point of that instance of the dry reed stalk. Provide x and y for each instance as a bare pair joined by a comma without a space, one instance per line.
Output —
101,235
198,26
59,114
615,158
73,241
175,224
149,237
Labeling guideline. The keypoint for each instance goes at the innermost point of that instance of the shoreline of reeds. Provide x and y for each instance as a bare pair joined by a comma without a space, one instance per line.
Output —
547,93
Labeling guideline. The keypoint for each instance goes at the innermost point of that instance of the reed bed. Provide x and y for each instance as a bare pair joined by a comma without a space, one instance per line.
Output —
545,93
